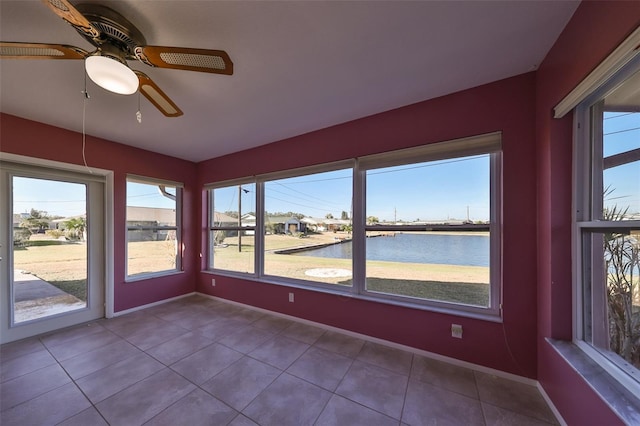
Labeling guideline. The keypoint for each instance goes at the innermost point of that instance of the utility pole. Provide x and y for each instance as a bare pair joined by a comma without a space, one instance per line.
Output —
239,218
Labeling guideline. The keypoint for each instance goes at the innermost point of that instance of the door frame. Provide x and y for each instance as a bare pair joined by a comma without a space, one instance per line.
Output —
6,251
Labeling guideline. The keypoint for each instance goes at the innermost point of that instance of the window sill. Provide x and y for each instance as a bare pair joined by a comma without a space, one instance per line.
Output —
618,398
142,277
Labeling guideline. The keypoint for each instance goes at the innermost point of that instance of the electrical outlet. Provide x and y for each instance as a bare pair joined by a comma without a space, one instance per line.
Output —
291,297
213,282
456,331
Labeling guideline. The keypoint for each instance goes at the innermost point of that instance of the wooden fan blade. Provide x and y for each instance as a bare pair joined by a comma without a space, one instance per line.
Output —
11,50
157,97
66,11
182,58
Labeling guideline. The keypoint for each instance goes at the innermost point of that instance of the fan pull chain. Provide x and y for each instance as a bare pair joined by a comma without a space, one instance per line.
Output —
85,98
138,113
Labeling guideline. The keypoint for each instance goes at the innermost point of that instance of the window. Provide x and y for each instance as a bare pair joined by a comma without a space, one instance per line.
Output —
607,227
432,218
153,227
437,246
308,224
418,226
232,227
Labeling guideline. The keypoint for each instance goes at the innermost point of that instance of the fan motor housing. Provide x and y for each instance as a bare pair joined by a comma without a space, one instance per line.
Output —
114,29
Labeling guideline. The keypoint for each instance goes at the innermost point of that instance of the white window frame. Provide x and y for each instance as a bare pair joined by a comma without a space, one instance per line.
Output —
100,254
276,279
482,144
587,202
212,227
490,144
177,228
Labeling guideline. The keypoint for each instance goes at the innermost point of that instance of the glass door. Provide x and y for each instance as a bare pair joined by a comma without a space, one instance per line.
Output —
52,250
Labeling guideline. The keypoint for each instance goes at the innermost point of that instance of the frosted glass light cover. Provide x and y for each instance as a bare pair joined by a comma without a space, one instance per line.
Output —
111,75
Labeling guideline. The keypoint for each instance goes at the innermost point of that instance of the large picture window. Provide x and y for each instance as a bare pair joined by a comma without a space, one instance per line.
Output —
308,224
429,230
418,226
153,227
608,225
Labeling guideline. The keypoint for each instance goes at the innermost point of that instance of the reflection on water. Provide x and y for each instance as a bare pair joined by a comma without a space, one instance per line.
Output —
448,249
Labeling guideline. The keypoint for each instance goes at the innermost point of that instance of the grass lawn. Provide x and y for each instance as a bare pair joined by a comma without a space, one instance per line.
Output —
150,256
64,265
457,284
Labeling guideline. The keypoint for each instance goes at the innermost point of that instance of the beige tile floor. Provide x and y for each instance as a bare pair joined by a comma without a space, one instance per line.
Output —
198,361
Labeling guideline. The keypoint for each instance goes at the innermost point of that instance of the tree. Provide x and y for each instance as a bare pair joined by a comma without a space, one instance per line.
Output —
622,266
344,215
37,221
372,219
76,227
328,216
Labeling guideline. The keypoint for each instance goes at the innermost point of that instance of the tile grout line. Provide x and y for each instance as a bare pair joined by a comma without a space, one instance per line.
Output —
269,327
75,384
406,389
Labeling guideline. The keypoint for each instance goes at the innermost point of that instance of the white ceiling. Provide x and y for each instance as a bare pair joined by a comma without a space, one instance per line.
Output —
299,66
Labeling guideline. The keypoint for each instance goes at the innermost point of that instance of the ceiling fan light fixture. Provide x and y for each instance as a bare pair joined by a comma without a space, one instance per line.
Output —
111,73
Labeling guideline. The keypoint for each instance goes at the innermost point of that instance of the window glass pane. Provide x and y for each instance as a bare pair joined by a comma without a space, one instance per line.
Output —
447,258
228,201
621,170
232,207
616,320
150,205
49,248
308,227
152,231
621,150
232,250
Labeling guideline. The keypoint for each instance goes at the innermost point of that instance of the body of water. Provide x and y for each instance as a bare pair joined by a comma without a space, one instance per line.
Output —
445,249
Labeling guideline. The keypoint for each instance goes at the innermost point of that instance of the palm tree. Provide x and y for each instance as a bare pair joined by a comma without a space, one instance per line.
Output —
622,265
76,227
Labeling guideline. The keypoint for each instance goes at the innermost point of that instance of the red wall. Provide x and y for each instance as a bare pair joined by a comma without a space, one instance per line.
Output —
537,209
507,106
595,30
29,138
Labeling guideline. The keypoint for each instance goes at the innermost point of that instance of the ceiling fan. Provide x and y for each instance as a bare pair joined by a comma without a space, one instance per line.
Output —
118,40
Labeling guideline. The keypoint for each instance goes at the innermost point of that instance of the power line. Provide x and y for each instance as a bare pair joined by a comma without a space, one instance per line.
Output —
298,204
317,180
621,131
424,165
308,196
624,114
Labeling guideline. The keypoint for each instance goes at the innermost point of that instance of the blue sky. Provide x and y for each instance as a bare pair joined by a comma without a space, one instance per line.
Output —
56,198
144,195
621,134
68,199
427,191
448,189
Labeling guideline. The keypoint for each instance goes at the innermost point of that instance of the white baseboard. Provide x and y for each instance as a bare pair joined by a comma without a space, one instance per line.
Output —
553,408
438,357
149,305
